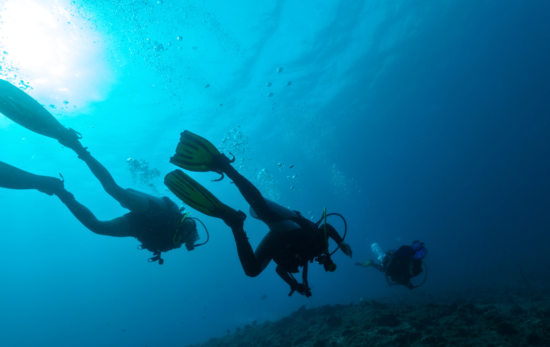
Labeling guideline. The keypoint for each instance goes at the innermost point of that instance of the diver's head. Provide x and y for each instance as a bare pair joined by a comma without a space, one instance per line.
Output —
186,233
417,245
188,228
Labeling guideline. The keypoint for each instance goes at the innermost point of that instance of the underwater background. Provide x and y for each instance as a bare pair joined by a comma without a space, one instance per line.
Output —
423,120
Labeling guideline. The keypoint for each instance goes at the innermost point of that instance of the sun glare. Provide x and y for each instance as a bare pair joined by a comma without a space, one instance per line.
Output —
50,47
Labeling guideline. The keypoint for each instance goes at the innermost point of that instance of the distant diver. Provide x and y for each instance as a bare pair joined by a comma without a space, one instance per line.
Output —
292,242
401,265
157,223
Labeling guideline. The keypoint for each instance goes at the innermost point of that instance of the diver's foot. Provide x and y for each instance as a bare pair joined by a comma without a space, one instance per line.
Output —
222,163
70,138
235,220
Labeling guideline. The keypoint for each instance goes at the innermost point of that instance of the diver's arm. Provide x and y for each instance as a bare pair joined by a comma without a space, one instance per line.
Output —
333,234
286,277
133,200
118,227
294,285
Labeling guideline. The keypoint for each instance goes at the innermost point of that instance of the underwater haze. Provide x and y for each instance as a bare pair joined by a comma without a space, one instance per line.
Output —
416,120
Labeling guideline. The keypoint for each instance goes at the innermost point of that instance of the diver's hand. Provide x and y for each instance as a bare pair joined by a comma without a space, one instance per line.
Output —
345,248
300,288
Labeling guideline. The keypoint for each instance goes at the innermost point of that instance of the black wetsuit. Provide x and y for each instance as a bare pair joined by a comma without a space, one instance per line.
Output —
289,249
156,228
401,269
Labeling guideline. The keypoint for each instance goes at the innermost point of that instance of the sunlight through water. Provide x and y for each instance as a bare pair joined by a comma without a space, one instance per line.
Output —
47,49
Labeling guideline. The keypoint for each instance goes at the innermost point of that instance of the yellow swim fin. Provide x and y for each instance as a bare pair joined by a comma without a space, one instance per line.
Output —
195,195
367,263
195,153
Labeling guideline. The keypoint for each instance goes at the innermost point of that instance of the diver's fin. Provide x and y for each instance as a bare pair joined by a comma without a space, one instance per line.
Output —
27,112
195,153
195,195
367,263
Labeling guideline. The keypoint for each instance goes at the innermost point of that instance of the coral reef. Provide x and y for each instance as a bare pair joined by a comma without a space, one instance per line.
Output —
476,317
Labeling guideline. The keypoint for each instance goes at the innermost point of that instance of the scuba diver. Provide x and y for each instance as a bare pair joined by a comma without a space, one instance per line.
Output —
157,223
402,264
292,242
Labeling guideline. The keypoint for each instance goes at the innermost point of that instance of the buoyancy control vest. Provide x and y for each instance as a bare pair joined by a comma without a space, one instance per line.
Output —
155,228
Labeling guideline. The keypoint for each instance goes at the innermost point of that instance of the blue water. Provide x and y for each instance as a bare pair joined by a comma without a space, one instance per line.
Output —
421,120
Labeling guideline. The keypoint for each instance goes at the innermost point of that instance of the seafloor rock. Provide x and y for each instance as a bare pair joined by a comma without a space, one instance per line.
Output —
480,317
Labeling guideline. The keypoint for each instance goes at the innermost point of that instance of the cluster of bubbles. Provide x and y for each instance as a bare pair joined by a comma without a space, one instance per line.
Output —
11,73
311,215
267,184
8,71
143,175
342,183
238,144
161,37
302,125
377,250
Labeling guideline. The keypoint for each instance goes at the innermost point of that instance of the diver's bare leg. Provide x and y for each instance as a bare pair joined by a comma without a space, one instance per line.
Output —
251,194
253,263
